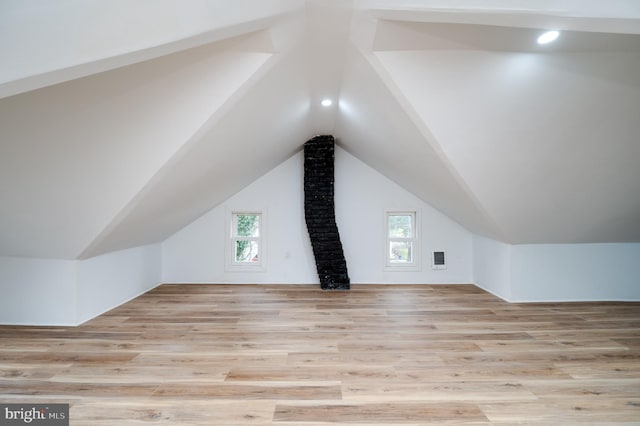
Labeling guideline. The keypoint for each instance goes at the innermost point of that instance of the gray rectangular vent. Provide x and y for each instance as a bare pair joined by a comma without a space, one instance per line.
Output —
438,260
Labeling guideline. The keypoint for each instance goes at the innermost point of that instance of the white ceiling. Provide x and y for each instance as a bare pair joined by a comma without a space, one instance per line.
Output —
118,129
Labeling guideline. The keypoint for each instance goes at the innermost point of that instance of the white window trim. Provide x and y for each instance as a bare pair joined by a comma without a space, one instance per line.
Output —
230,263
416,263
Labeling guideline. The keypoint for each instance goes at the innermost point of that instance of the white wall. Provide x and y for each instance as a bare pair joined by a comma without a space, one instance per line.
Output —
37,291
196,253
362,197
492,266
70,292
575,272
557,272
112,279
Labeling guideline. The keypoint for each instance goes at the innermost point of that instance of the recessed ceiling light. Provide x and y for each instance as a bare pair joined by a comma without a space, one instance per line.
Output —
548,37
326,102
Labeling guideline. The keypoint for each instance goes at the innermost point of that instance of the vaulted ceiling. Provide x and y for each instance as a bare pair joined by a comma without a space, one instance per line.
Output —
121,122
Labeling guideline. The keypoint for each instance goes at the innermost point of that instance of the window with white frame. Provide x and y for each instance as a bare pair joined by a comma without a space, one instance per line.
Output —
402,248
246,249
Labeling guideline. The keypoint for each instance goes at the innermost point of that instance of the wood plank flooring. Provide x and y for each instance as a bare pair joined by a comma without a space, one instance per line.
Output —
294,355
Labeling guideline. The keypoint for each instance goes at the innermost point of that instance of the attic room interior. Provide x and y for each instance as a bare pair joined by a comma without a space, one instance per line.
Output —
158,261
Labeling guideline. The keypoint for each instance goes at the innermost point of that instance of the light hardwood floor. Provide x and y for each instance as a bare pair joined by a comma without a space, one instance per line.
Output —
294,355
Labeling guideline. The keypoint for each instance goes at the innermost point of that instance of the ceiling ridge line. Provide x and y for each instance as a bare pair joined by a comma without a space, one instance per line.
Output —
90,249
132,57
408,109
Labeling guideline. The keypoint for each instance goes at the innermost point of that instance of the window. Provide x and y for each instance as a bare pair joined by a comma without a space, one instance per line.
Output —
402,243
246,248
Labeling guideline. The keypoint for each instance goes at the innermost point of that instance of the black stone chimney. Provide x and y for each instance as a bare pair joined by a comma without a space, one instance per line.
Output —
319,212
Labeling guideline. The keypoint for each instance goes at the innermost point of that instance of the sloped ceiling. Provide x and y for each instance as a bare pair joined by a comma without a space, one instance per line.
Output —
118,129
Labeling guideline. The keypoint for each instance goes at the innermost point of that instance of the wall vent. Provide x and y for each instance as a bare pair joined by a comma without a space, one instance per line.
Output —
438,260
